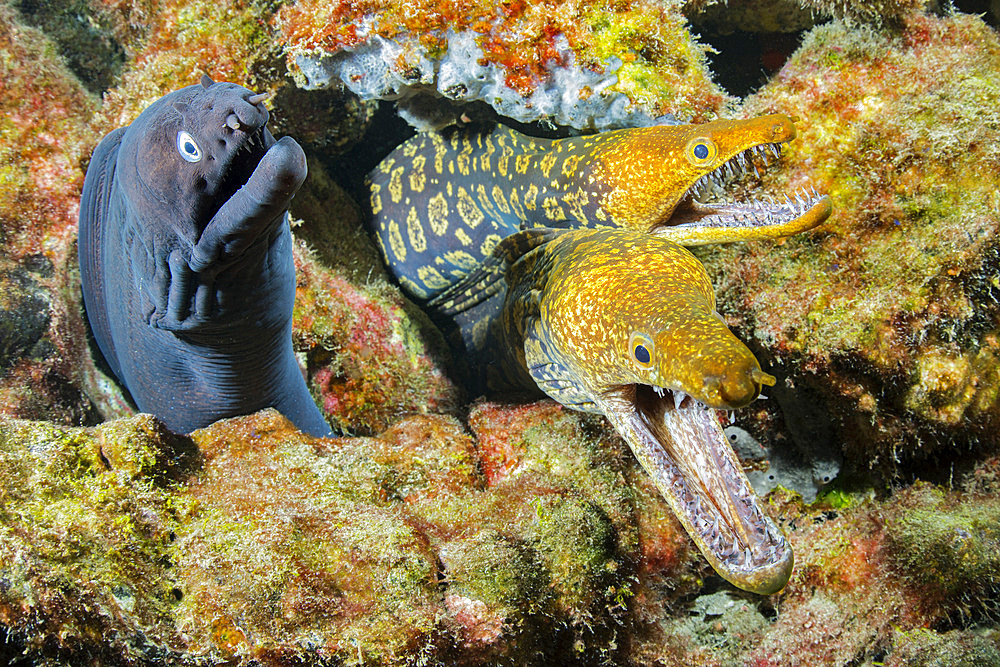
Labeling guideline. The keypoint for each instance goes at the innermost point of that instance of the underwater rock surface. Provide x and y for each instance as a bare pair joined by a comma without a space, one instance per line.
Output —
888,316
458,531
533,537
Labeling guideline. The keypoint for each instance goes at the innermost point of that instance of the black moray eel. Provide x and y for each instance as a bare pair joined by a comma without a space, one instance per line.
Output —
441,201
186,259
623,323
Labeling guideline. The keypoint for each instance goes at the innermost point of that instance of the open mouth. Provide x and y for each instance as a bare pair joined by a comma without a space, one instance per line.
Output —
244,153
708,207
680,443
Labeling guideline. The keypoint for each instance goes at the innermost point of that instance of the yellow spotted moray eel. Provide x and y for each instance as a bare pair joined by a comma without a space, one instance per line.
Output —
441,201
624,323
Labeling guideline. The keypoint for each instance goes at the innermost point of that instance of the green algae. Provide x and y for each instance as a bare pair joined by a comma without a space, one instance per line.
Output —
955,648
661,66
250,540
499,571
949,545
83,544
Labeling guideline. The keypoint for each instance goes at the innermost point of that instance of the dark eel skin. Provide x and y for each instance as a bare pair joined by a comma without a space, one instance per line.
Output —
186,259
623,323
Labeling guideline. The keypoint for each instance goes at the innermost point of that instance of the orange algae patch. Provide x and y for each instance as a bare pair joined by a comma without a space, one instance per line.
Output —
368,361
499,431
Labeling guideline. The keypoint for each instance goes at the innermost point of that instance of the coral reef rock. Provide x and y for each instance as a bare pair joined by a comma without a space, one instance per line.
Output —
580,66
251,541
884,321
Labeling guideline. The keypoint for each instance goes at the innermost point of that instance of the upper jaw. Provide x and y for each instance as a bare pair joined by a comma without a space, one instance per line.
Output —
680,443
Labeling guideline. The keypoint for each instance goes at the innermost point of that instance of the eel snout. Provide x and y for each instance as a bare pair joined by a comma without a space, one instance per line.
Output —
735,386
680,443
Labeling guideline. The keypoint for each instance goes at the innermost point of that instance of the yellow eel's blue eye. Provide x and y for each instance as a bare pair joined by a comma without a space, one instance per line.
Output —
642,349
701,151
642,354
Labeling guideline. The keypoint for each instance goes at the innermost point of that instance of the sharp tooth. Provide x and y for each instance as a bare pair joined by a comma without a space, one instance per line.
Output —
746,556
756,171
776,149
679,397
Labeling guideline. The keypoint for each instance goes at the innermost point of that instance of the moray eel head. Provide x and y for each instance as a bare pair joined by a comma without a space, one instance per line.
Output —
672,180
629,328
200,145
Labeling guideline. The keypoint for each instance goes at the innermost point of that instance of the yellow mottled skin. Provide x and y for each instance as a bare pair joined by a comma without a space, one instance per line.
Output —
649,171
468,184
607,286
623,323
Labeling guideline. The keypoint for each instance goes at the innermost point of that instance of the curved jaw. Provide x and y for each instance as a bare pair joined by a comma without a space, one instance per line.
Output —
701,219
680,443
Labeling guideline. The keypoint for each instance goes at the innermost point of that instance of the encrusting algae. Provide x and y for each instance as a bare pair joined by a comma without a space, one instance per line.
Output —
251,540
494,533
889,312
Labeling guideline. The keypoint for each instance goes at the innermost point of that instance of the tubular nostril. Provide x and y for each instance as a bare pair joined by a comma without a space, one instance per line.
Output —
762,378
258,98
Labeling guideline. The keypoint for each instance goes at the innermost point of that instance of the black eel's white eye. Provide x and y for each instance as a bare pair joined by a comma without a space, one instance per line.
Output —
701,150
188,147
642,348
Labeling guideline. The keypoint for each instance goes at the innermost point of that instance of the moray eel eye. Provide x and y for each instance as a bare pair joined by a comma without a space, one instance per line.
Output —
188,147
701,150
642,349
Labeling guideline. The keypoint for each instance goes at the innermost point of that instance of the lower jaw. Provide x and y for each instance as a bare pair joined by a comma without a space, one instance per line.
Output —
682,447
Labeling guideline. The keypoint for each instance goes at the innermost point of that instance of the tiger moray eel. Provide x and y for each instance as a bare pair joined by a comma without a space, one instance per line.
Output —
186,259
624,323
441,201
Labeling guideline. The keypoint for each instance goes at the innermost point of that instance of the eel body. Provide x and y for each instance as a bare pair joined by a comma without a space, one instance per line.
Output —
186,259
623,323
442,201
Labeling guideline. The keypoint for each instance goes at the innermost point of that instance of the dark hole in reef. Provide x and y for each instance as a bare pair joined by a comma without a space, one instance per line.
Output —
83,37
746,60
386,131
177,594
767,609
989,9
13,651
